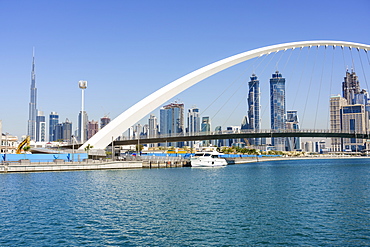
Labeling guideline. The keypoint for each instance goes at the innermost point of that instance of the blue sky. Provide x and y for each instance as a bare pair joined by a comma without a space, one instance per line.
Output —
128,49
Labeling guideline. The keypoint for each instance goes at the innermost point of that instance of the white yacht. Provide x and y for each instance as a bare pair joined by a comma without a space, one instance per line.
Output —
207,159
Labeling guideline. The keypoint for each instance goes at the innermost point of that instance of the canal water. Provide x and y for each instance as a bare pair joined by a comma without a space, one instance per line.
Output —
286,203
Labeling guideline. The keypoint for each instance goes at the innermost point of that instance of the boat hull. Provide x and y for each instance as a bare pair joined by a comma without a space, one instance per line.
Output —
204,162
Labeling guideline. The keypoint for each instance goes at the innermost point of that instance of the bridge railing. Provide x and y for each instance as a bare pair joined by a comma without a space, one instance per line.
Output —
245,131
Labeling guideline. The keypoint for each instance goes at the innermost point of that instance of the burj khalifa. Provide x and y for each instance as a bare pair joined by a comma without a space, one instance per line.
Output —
31,132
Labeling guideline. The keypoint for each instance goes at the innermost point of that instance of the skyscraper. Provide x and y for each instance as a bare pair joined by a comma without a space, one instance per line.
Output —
53,121
354,120
152,129
40,127
350,87
292,122
205,127
336,104
193,121
172,120
277,106
67,131
31,131
92,128
254,108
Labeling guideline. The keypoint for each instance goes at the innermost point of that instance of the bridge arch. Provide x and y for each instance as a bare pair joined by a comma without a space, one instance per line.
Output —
136,112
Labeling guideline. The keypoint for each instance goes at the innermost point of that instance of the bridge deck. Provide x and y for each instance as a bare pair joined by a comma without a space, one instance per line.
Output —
215,136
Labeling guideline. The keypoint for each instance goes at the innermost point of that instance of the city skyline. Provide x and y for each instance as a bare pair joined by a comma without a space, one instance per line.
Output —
69,50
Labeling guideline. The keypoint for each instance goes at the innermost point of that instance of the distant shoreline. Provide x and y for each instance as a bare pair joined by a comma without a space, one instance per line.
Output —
263,159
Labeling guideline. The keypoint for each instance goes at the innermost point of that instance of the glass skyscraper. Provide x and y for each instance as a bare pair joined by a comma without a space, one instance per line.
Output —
193,120
67,131
172,120
254,108
53,121
292,122
277,107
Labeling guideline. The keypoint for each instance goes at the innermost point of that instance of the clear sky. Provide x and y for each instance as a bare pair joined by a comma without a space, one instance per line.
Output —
128,49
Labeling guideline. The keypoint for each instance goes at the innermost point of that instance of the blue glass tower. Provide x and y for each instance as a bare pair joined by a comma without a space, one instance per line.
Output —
254,108
277,106
32,112
53,122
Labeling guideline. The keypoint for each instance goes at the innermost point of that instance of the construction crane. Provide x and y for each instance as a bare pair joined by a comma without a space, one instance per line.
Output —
26,141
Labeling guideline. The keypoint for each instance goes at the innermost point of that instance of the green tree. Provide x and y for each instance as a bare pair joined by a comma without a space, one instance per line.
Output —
88,147
138,148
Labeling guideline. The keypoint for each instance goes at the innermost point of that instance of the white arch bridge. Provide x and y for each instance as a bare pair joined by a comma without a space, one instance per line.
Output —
141,109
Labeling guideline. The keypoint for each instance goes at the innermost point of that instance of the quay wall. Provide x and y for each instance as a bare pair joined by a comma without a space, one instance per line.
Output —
67,166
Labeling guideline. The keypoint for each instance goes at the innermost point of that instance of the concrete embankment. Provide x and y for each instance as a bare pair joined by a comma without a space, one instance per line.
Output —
67,166
60,165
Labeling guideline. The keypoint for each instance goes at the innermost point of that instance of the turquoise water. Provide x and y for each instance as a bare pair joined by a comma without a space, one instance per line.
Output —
286,203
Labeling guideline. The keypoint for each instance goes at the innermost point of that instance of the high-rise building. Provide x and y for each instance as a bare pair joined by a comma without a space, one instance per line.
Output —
172,120
218,143
193,121
254,108
92,128
104,121
40,127
152,129
67,131
31,131
336,104
82,126
350,87
355,119
53,121
58,132
153,126
292,122
277,107
145,131
206,127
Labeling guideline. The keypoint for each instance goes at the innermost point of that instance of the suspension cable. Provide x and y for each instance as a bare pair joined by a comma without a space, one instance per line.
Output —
300,79
363,71
318,97
344,60
309,86
226,101
237,106
330,87
227,88
353,64
367,56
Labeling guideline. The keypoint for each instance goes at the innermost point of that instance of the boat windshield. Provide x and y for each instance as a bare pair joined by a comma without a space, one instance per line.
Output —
215,156
207,154
200,154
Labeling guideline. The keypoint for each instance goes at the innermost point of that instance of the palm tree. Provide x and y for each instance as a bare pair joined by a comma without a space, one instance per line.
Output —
88,147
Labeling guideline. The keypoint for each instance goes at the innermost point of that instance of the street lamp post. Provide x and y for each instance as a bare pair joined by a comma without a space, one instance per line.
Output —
83,86
73,148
